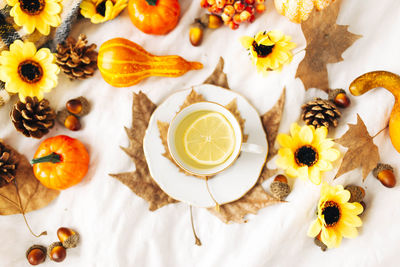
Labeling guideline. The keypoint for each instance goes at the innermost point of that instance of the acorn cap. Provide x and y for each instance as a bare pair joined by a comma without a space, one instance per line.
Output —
364,207
62,115
381,167
279,190
72,241
334,92
357,193
320,244
42,248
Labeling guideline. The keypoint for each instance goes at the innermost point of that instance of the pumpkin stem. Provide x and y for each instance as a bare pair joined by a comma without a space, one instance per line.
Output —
152,2
53,158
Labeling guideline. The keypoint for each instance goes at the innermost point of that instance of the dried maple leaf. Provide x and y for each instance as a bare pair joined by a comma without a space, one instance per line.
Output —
25,193
271,121
362,152
218,77
326,41
257,198
140,181
251,202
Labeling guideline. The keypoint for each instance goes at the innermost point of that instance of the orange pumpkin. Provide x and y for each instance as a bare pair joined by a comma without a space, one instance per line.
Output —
154,16
124,63
60,162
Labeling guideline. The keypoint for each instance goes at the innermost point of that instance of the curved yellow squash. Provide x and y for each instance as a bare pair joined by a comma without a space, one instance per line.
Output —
124,63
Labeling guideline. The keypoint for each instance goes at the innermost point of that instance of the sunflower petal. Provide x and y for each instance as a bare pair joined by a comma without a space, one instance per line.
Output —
330,154
285,141
348,232
314,229
315,176
306,134
246,41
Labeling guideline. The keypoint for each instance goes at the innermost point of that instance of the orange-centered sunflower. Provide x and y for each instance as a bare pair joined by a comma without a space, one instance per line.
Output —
269,50
306,153
99,11
39,14
26,71
337,217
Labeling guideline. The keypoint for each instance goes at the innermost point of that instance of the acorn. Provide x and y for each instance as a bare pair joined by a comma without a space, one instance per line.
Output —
384,173
72,123
196,33
279,187
36,254
364,207
78,106
357,193
211,21
57,252
68,237
339,97
319,243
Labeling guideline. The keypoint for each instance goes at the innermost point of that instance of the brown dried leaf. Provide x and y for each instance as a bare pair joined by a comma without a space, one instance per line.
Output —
232,107
362,152
192,98
218,77
27,188
326,41
253,201
140,181
271,121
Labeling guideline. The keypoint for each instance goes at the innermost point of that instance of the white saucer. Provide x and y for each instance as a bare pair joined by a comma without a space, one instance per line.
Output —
225,187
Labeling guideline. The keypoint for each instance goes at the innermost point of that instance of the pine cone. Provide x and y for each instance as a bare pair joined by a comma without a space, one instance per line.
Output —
75,59
319,112
33,118
8,165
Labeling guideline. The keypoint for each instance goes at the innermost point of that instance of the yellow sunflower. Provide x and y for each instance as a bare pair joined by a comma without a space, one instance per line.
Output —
99,11
269,50
306,153
39,14
26,71
337,217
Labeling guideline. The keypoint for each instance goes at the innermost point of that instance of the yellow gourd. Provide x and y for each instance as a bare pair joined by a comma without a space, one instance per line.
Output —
124,63
299,10
389,81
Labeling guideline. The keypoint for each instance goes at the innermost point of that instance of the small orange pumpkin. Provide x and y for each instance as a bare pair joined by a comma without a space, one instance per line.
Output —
60,162
124,63
154,16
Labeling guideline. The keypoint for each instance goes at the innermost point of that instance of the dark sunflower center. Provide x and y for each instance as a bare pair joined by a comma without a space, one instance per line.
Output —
331,213
30,71
32,7
306,156
262,50
101,8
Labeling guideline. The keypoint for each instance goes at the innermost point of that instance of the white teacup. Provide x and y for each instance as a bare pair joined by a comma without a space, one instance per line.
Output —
239,145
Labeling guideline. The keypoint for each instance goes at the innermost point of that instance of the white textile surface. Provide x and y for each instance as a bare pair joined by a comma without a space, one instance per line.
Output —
116,227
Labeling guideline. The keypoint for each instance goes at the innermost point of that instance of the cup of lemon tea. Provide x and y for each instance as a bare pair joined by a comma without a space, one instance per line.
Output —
205,138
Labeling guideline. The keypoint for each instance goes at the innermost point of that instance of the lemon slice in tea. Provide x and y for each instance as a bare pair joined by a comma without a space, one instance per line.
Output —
210,139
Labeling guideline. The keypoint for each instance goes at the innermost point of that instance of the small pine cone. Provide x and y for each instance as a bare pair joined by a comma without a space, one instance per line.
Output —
76,59
319,112
33,118
8,165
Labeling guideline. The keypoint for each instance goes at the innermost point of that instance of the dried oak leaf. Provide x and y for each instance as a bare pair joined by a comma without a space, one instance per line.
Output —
218,77
271,121
140,181
326,41
362,152
26,193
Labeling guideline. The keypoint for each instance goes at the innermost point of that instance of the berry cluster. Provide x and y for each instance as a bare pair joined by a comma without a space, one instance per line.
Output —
234,12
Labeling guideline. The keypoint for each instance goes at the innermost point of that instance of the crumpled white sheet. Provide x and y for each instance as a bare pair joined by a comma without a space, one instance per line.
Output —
115,225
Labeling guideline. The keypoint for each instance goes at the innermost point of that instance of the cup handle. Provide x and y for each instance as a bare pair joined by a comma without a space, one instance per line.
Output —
252,148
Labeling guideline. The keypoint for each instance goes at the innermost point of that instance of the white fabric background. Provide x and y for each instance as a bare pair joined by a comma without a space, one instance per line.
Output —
116,227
